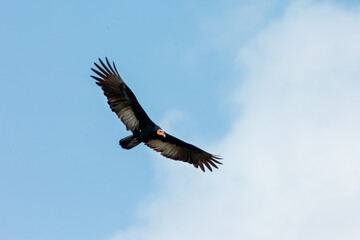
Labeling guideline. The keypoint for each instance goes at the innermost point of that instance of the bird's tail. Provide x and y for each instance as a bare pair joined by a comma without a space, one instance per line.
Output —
129,142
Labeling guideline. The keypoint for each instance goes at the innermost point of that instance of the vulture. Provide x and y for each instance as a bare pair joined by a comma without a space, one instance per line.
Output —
123,102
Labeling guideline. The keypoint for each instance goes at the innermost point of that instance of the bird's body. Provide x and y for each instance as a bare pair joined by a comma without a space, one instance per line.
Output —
123,102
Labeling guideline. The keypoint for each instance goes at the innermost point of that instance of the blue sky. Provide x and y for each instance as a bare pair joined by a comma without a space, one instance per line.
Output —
204,70
63,173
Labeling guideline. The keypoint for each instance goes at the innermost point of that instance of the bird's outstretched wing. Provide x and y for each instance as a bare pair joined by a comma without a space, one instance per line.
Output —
120,98
174,148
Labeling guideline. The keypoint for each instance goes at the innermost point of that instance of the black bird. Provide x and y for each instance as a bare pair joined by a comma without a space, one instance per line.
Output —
123,102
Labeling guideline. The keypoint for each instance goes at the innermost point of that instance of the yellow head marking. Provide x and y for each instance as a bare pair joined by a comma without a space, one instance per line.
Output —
160,132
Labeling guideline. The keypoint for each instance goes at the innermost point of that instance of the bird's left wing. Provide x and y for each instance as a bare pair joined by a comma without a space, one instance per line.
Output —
174,148
120,98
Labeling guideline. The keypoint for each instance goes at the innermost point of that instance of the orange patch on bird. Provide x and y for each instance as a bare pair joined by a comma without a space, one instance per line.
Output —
160,132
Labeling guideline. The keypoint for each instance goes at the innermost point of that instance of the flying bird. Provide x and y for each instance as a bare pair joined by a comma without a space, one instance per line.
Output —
123,102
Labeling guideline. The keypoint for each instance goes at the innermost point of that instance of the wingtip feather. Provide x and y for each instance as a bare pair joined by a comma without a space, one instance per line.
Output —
207,165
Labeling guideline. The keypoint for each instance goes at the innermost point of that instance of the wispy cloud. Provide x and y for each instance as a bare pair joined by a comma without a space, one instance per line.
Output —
291,161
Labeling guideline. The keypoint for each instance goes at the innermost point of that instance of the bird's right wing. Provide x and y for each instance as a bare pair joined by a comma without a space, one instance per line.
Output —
120,98
176,149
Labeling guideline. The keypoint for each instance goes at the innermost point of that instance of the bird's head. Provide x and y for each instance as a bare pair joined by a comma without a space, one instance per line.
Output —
160,132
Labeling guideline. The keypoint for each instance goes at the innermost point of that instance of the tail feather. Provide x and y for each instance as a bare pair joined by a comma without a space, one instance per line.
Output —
129,142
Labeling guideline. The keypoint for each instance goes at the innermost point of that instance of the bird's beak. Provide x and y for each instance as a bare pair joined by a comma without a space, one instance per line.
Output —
163,134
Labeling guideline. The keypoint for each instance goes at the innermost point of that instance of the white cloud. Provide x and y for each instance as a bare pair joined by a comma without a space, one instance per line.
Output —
292,160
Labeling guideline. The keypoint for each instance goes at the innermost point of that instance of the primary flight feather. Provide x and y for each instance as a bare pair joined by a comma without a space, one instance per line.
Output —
123,102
